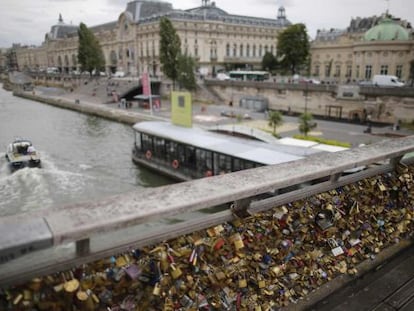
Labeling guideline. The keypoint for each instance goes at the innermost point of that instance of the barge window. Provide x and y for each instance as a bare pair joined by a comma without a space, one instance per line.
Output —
159,147
190,157
223,163
146,142
180,153
249,164
204,160
237,164
171,150
138,140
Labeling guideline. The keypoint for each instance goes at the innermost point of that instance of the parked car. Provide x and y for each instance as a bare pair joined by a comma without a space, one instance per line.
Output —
232,114
101,73
52,70
222,76
119,74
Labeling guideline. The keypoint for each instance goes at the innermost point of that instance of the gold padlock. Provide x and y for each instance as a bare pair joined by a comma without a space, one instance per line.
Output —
121,262
157,289
220,275
242,282
175,271
237,241
27,295
71,286
261,284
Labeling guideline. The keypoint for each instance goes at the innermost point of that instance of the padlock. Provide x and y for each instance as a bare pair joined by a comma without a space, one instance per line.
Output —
84,301
133,271
261,283
71,286
120,262
335,248
220,275
27,295
242,282
18,299
218,244
175,271
324,219
237,241
157,289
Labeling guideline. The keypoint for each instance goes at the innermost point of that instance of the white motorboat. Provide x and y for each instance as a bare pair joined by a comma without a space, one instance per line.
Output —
21,153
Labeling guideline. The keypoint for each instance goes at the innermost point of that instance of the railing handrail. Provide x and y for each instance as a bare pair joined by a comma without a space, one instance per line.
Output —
80,221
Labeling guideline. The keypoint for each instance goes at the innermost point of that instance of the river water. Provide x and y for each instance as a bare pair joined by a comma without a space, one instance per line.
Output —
84,158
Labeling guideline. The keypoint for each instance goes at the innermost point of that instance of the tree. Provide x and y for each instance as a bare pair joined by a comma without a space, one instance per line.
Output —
170,50
275,119
306,123
293,47
269,62
90,55
186,77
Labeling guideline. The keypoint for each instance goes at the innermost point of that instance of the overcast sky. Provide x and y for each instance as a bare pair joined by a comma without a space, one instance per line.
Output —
27,21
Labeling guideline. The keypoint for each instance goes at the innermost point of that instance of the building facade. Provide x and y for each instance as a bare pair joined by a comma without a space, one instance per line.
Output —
215,38
370,46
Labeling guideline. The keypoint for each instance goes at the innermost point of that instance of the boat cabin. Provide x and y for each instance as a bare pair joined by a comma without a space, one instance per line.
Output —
191,153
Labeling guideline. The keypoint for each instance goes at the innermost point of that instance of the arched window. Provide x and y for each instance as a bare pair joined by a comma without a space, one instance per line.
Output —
248,50
241,49
227,50
254,50
234,50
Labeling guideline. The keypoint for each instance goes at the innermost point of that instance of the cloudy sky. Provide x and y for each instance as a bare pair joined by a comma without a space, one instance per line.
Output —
27,21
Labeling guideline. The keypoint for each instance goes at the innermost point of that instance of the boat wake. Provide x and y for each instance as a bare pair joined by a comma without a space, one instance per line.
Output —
30,189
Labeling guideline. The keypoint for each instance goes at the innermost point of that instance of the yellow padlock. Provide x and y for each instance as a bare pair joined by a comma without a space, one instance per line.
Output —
238,244
157,289
175,271
242,283
121,262
261,284
220,275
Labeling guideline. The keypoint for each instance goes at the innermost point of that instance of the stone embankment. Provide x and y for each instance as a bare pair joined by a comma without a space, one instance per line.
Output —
102,111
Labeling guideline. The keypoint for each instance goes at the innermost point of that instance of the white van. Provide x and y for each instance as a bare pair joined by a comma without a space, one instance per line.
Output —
52,70
386,80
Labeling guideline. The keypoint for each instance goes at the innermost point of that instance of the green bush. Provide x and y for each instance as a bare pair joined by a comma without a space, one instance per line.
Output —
323,141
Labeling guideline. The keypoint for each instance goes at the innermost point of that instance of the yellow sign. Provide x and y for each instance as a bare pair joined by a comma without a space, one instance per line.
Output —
181,109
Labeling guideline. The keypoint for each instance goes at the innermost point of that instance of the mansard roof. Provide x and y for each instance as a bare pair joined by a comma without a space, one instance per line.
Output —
141,9
213,13
329,35
61,30
208,10
147,11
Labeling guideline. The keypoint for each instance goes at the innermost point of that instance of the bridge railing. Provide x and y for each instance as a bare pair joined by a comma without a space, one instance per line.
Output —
47,241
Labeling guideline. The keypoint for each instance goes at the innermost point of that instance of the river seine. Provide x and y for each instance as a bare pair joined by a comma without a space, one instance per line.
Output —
84,158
